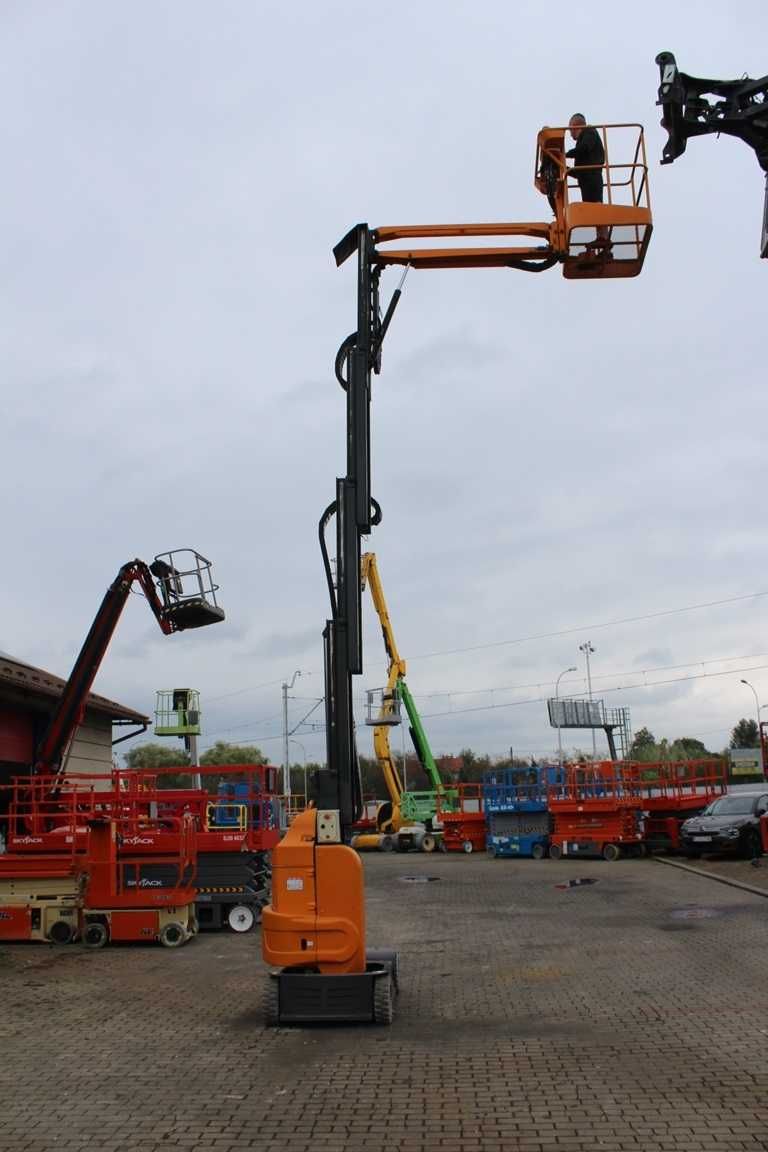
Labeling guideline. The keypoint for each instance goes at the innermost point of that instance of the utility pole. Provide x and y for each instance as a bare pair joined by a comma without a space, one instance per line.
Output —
286,751
587,649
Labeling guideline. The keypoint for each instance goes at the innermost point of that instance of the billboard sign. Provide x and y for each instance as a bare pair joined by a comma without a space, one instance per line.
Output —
745,761
576,713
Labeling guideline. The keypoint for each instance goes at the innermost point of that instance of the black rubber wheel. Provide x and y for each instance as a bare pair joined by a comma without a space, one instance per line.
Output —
491,850
752,845
172,935
468,847
61,932
383,1000
537,852
555,851
388,844
272,1002
95,935
611,852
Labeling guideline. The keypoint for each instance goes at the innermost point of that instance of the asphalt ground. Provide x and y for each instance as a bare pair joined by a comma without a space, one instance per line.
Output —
631,1013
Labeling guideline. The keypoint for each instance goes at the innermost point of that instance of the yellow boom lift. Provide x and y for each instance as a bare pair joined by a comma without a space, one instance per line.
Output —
405,821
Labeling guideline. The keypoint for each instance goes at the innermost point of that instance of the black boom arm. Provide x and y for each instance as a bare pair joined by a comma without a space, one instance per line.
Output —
696,107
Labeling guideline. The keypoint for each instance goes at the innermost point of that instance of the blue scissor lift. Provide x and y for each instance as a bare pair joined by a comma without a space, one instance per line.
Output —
517,818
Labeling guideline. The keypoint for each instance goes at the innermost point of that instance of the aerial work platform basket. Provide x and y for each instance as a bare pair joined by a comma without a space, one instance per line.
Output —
177,712
607,239
623,217
187,589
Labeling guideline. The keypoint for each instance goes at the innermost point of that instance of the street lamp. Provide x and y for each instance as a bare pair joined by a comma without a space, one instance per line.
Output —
304,752
286,762
757,706
557,698
588,650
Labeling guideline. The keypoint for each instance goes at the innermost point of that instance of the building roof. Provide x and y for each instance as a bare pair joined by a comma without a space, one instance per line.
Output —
37,682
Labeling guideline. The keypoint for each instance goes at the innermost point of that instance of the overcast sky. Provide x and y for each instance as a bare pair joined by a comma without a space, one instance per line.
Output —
550,456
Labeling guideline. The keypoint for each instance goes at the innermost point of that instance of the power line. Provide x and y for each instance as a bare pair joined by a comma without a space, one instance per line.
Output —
602,676
621,688
587,627
240,691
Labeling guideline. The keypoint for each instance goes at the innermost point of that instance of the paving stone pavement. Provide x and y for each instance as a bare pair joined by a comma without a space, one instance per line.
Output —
630,1015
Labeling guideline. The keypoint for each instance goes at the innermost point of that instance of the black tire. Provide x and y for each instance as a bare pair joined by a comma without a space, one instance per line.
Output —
752,846
611,852
428,844
383,1000
95,934
537,851
61,932
272,1002
468,847
555,851
387,844
173,935
491,850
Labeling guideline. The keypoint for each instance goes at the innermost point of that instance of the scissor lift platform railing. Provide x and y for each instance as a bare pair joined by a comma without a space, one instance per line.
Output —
462,814
671,792
594,812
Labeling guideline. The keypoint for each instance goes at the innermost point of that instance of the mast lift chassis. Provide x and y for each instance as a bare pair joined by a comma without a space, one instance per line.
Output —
318,913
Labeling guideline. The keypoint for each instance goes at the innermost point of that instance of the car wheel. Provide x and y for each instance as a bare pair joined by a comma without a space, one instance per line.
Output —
751,846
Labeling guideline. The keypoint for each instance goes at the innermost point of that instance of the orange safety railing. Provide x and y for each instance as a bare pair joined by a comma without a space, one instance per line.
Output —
623,221
460,801
678,784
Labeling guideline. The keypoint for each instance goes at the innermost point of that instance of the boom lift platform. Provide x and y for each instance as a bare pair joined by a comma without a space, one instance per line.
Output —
314,929
184,598
698,107
626,217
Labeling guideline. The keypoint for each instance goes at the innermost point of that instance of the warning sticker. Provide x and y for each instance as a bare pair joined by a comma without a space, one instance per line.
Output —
295,883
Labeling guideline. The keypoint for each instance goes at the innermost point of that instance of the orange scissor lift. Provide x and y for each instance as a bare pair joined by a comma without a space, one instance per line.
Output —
595,813
672,792
71,874
40,889
461,812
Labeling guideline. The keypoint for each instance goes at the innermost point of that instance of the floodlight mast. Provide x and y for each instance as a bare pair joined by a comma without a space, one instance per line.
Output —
741,110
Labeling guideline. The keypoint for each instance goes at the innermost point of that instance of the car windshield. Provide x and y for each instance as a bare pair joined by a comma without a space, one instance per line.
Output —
731,806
